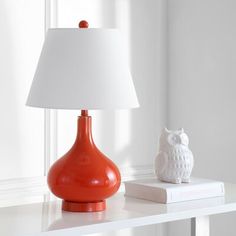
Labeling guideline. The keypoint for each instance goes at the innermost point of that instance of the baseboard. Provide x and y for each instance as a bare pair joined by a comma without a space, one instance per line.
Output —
22,186
136,172
23,190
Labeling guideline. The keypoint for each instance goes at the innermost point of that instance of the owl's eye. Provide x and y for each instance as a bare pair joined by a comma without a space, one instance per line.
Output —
173,139
184,139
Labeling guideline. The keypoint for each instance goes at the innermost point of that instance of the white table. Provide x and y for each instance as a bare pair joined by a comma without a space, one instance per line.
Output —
47,219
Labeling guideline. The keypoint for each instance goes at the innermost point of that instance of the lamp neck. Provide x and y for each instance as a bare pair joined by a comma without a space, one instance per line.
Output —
84,128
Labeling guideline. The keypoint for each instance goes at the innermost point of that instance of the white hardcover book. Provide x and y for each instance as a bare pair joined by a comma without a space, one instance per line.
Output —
161,192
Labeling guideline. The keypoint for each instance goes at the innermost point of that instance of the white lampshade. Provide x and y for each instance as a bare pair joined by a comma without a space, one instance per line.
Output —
83,69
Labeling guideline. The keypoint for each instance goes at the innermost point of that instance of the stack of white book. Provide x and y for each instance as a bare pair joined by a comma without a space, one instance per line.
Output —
161,192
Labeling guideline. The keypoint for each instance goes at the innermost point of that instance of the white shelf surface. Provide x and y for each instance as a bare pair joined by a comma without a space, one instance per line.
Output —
47,219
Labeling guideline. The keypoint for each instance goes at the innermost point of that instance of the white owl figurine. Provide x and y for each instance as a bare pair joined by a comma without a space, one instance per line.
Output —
174,161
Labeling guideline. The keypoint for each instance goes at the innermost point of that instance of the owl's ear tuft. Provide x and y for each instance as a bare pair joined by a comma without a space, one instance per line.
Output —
165,130
181,130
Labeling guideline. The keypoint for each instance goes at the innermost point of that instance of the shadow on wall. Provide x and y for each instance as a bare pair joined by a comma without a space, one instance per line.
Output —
131,136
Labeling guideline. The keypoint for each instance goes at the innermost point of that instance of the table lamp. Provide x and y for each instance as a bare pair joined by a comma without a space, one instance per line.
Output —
83,68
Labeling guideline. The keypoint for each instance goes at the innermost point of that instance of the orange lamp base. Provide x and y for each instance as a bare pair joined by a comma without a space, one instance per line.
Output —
84,177
84,206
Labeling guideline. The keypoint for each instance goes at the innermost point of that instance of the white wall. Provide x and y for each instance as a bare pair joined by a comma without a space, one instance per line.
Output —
21,128
202,72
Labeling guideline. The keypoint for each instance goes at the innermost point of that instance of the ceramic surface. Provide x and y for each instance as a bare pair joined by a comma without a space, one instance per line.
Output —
174,161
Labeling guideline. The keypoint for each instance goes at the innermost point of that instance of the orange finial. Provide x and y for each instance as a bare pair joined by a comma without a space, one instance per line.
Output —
83,24
84,112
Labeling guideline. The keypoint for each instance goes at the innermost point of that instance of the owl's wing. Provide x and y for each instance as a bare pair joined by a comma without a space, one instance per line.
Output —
161,163
191,158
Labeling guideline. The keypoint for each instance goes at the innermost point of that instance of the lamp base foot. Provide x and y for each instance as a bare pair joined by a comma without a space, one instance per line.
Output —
84,206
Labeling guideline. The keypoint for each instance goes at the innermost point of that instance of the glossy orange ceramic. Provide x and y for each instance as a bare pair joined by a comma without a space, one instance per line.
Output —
84,177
